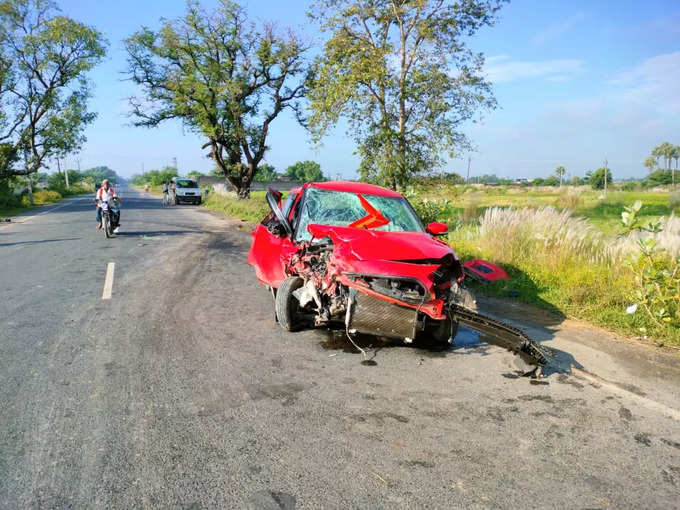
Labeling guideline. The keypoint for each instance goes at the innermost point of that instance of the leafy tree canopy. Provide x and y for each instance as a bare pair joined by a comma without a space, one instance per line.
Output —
305,171
596,178
266,173
154,177
222,77
402,74
44,58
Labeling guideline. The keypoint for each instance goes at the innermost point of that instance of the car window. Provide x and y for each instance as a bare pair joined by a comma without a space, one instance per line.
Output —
186,183
327,207
288,204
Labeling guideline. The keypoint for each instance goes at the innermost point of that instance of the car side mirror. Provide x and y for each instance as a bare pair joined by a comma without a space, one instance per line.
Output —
437,229
273,200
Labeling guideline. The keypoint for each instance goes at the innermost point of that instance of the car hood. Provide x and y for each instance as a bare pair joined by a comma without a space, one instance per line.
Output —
377,245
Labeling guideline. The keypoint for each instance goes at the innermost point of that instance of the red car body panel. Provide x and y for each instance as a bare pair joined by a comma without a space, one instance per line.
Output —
484,270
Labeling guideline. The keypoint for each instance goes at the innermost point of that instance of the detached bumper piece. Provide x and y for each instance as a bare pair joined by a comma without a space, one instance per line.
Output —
499,333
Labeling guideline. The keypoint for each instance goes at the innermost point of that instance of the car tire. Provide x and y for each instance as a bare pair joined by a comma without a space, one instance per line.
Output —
441,334
287,305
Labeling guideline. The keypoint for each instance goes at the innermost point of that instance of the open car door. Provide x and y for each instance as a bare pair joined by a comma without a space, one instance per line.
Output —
271,241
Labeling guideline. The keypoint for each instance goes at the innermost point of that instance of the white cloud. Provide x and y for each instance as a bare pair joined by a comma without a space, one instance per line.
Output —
652,85
558,29
500,69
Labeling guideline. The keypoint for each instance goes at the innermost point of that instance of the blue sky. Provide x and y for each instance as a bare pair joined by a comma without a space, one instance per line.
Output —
575,81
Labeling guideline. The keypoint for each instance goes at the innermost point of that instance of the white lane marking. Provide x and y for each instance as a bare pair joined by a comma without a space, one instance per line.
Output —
108,281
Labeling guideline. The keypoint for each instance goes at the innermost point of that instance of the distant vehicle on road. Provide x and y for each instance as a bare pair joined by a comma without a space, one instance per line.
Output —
187,191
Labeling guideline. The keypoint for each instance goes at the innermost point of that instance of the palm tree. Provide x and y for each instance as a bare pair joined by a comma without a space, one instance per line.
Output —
664,150
651,163
560,171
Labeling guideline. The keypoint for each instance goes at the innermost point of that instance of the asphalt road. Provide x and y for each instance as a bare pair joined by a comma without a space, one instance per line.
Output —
180,391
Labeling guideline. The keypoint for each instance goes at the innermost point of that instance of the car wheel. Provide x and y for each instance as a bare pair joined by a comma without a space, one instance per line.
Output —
287,306
441,334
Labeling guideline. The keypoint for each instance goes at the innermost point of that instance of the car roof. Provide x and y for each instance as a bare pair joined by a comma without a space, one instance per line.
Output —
354,187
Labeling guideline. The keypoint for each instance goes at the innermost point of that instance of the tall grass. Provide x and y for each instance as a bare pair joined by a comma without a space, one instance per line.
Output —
557,260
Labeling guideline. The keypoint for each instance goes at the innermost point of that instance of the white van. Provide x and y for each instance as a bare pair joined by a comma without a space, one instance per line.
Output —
187,190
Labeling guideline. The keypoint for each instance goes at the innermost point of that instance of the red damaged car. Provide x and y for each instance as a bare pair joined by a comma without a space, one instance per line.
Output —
358,255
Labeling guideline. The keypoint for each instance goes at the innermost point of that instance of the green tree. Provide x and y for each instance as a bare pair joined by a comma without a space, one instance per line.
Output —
596,178
560,171
305,171
266,173
551,180
664,151
651,163
222,77
195,174
99,173
44,57
402,74
659,177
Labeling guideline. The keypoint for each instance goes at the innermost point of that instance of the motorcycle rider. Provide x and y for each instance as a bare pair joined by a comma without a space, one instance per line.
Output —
105,193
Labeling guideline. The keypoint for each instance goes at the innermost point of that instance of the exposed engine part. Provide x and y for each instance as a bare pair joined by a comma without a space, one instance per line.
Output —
376,316
503,335
308,293
408,290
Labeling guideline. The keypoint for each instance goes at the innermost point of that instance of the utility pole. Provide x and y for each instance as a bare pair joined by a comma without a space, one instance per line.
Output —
467,179
174,162
606,171
65,172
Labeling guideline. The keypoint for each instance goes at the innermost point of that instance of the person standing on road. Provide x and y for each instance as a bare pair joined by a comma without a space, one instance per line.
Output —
173,195
105,193
165,188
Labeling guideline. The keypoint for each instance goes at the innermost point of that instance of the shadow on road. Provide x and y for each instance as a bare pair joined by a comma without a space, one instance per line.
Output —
152,233
41,241
467,342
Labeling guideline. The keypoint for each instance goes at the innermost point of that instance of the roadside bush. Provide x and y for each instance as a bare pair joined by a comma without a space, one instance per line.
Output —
656,271
41,197
8,200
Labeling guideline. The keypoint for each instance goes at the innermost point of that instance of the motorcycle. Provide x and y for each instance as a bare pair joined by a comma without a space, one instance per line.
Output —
110,215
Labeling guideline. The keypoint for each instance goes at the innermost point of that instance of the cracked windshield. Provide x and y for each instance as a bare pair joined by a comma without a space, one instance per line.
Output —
339,208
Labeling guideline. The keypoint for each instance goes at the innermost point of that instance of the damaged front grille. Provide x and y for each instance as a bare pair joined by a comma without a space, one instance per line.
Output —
375,316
